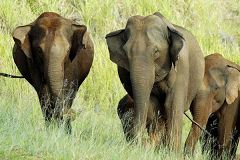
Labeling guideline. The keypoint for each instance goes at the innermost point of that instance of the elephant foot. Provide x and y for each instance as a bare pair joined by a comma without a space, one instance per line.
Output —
62,121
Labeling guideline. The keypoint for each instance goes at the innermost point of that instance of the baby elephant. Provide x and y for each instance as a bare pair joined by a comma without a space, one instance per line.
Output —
54,55
155,121
219,94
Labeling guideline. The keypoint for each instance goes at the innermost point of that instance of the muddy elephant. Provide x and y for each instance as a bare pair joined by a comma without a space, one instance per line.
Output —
54,54
218,95
155,119
155,57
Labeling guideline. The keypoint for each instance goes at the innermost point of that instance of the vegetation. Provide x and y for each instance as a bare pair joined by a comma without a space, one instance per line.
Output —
97,133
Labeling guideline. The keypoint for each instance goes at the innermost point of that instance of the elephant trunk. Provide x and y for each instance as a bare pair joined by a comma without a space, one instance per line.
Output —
55,74
142,78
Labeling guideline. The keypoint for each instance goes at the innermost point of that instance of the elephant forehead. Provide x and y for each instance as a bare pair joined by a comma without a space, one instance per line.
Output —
150,25
153,19
54,30
55,43
48,14
50,23
140,20
135,20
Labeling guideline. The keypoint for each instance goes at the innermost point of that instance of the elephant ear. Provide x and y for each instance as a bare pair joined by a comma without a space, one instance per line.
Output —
218,76
232,85
175,39
79,39
175,44
115,42
21,38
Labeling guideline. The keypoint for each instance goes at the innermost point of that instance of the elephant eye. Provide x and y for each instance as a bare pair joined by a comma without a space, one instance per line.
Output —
156,53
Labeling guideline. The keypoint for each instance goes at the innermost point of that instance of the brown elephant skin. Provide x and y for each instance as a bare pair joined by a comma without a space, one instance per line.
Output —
55,55
218,95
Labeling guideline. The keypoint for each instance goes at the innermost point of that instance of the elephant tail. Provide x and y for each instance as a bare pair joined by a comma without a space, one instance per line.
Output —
10,76
204,130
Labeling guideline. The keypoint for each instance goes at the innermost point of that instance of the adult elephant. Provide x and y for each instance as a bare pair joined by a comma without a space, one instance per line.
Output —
219,96
156,58
54,54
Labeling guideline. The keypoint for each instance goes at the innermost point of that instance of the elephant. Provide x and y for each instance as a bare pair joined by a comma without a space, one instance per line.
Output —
155,57
54,55
218,96
155,119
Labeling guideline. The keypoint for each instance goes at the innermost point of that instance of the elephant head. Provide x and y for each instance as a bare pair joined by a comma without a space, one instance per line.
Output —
147,48
223,77
49,42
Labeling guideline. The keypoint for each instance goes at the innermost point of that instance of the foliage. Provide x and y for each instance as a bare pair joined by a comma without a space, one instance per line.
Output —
97,133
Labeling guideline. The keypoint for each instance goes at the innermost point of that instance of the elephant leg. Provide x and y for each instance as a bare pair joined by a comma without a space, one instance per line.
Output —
50,107
200,110
227,123
236,136
67,114
156,129
174,107
195,134
125,112
154,121
46,106
235,142
209,142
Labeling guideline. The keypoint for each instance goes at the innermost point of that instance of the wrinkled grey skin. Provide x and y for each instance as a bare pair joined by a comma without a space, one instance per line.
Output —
218,95
157,58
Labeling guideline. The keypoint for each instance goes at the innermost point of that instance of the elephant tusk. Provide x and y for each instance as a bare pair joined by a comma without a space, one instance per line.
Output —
197,124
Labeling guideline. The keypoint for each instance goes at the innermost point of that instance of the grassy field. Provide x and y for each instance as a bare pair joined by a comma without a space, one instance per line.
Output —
97,133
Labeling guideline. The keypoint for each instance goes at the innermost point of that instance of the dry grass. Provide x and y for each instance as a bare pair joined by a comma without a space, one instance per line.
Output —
97,133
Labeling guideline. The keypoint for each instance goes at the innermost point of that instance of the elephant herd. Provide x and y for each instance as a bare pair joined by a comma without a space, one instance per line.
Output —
161,66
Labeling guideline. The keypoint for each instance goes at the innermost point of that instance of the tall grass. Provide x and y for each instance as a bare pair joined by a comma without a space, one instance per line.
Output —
97,132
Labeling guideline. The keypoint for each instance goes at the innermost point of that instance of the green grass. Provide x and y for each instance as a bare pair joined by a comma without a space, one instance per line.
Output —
97,133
